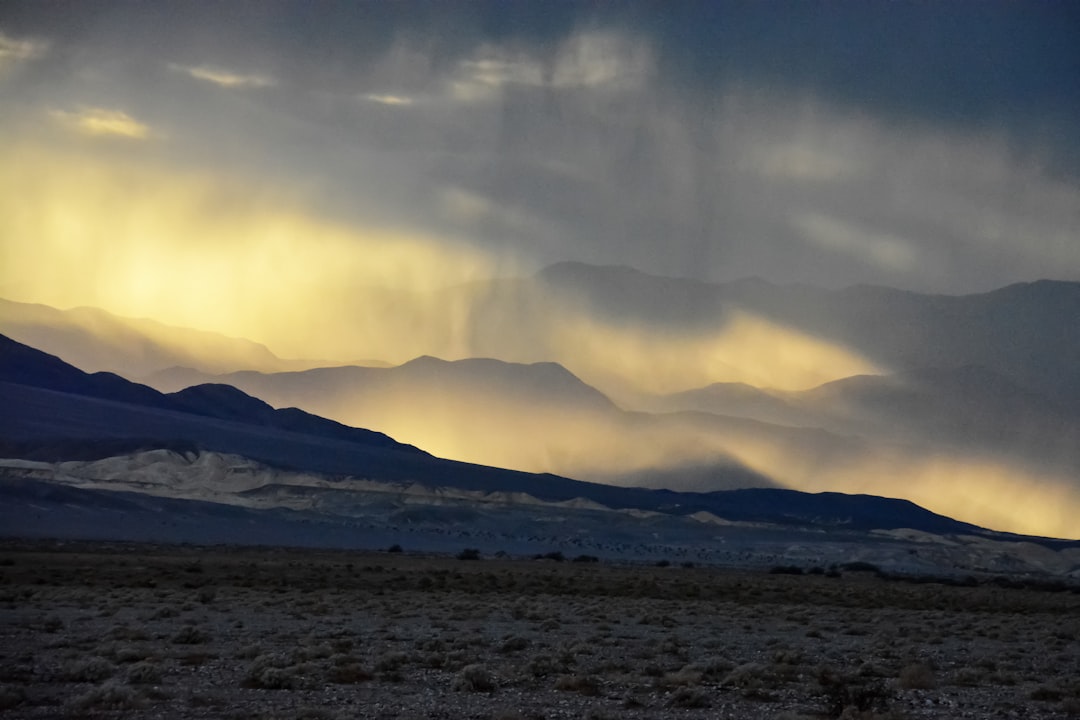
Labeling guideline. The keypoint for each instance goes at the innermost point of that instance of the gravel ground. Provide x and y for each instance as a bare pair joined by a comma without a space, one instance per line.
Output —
111,631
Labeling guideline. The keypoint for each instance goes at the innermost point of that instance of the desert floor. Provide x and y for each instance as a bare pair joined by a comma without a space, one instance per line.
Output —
112,630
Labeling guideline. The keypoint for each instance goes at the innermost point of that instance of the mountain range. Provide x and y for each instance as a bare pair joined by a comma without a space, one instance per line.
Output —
94,455
965,404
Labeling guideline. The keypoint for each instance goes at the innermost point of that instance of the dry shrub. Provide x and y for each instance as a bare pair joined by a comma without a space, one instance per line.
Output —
250,652
917,676
110,696
391,662
144,673
689,698
1046,693
688,675
544,665
583,684
748,675
475,678
271,672
190,635
271,678
513,644
11,697
128,654
969,677
93,669
851,696
349,674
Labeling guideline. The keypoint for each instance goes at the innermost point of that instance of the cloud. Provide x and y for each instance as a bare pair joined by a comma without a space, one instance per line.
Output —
17,50
392,100
102,122
235,254
224,78
597,61
885,250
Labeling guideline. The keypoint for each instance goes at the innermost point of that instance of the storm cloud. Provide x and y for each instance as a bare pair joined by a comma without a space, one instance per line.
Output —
925,147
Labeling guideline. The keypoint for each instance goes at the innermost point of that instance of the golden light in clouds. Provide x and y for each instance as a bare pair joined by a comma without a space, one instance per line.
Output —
224,78
102,122
747,349
203,251
1001,494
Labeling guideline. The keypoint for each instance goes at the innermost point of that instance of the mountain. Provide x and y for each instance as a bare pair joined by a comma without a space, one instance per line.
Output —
969,406
60,401
25,367
737,399
95,340
533,417
222,470
963,404
1026,332
911,435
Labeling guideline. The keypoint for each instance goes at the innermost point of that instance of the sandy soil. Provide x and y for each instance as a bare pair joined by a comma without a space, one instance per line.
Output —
110,630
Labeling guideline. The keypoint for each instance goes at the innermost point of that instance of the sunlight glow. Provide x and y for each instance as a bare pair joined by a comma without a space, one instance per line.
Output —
747,349
198,251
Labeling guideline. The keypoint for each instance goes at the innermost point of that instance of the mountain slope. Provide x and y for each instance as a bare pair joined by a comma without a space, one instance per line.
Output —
969,406
536,417
1027,331
35,414
24,366
96,340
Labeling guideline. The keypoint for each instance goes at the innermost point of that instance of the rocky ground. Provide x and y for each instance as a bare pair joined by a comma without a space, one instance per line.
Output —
111,630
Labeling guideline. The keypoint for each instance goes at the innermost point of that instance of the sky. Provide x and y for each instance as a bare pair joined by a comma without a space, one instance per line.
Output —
155,151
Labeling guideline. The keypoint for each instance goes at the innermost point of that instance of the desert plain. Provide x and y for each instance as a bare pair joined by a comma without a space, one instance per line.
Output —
116,630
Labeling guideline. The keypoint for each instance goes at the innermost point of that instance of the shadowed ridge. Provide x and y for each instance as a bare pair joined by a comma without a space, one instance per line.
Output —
23,365
225,402
621,293
544,379
228,403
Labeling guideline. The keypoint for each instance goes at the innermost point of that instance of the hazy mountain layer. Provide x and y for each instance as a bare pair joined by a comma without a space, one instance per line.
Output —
94,340
964,442
54,401
962,404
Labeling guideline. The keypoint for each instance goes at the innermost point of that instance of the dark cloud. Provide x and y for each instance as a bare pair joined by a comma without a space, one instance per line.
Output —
976,62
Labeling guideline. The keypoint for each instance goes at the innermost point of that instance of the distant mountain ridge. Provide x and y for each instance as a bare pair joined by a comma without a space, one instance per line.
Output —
37,410
96,340
926,391
23,365
1026,331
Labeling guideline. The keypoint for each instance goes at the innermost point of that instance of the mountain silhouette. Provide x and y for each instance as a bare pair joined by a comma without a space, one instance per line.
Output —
48,404
23,365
